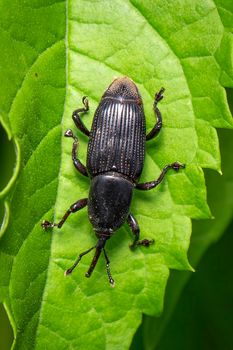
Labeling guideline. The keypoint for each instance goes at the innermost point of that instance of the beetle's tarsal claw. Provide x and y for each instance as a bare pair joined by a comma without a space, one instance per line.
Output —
159,95
112,282
46,225
147,242
68,272
69,133
85,102
177,166
144,242
84,99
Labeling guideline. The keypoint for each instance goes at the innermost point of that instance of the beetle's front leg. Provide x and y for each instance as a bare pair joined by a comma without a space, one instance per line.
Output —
149,185
78,165
132,222
70,270
76,117
157,127
74,207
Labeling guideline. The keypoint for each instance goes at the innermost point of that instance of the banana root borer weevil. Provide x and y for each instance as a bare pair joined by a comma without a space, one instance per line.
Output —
115,158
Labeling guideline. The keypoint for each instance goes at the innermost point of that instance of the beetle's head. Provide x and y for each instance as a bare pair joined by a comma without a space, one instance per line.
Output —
124,88
105,233
103,237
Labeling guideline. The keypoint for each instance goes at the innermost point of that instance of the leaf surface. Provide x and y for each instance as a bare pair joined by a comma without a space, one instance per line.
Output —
204,234
53,54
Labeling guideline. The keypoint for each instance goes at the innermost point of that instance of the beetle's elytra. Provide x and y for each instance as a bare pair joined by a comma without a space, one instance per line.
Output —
115,158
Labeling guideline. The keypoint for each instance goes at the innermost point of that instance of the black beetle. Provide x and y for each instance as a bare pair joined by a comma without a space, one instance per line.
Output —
115,159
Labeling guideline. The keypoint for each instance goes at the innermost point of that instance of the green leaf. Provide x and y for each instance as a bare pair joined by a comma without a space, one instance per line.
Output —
53,54
5,328
205,233
202,318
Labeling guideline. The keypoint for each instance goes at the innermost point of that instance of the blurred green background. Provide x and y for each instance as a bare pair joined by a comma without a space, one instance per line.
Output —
7,160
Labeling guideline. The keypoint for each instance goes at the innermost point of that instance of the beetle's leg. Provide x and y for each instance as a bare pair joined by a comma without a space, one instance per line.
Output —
156,129
149,185
76,117
78,165
74,207
131,220
70,270
111,280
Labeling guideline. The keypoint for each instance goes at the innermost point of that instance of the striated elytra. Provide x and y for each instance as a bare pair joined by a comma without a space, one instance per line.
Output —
115,158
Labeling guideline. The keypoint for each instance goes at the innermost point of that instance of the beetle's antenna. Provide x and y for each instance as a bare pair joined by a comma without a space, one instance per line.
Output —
111,280
99,246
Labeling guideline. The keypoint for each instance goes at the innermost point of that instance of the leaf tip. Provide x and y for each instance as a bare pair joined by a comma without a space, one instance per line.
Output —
191,268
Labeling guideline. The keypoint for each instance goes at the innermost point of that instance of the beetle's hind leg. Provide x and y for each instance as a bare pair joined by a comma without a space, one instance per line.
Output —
76,117
132,222
78,165
73,208
157,127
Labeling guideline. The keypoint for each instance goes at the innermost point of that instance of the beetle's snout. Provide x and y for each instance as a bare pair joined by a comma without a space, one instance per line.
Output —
104,233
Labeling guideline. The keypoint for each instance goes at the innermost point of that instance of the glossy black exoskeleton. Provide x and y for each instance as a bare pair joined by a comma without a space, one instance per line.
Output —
115,159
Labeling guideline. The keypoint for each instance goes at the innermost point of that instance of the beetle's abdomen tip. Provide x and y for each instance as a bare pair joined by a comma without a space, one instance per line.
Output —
123,87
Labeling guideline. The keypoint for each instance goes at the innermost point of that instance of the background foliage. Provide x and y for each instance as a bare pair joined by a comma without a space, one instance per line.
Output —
52,54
